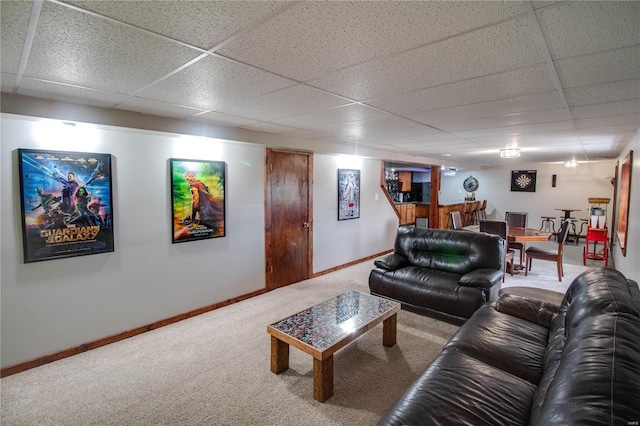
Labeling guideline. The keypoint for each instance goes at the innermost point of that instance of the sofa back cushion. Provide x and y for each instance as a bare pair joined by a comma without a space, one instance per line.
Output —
459,252
596,292
593,351
597,380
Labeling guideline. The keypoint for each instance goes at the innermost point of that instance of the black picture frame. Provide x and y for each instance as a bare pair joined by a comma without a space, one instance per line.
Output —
198,198
523,180
348,194
66,203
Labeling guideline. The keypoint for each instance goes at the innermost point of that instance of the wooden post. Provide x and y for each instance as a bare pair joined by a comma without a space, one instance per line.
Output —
434,213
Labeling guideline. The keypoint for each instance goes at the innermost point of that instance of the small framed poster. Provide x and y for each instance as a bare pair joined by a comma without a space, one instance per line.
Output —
523,180
197,199
66,204
348,194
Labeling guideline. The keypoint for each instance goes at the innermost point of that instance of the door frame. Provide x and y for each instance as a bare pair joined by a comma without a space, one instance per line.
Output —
267,213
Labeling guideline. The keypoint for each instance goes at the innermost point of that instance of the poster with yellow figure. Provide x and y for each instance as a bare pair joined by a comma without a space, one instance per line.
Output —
197,199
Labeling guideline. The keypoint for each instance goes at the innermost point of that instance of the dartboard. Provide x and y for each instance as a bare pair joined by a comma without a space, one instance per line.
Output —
523,181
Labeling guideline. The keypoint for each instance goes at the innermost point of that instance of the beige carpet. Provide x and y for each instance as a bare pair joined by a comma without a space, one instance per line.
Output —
213,369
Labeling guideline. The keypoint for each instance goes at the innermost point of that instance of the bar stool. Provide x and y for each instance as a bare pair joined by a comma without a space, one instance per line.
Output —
482,213
475,213
547,224
467,214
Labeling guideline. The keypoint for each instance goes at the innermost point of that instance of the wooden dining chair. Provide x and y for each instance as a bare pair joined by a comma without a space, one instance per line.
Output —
499,227
520,220
538,253
456,220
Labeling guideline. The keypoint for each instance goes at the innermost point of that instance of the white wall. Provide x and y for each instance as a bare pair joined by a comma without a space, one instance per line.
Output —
339,242
629,265
53,305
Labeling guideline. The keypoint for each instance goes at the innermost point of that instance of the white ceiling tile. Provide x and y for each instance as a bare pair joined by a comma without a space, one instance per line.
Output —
608,92
574,28
633,119
13,32
537,102
200,23
498,48
509,84
222,119
67,93
515,130
270,128
308,134
505,120
333,116
213,82
283,103
314,38
631,106
606,131
427,144
146,106
7,82
598,68
94,53
382,127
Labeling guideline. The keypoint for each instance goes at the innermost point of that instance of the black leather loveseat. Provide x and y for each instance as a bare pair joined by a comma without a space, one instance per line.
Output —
522,361
447,274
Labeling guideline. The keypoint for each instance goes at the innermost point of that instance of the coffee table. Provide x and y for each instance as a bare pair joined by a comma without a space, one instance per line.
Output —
328,326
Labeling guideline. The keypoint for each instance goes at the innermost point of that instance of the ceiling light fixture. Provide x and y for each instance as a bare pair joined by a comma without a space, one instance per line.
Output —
509,152
448,171
571,163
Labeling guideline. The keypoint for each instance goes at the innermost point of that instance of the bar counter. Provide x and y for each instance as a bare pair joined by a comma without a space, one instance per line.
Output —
422,210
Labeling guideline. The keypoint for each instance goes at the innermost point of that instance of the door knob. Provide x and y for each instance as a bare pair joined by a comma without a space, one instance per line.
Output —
306,224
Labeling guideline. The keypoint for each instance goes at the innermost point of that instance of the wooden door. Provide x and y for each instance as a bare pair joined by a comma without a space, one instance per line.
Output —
288,217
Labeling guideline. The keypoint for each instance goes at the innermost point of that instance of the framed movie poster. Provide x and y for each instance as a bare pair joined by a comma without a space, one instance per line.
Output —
523,180
348,194
197,199
66,203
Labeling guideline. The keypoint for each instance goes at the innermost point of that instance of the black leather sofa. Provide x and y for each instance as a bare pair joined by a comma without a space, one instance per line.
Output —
522,361
441,273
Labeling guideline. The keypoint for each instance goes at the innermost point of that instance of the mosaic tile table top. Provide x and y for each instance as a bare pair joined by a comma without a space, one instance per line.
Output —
326,323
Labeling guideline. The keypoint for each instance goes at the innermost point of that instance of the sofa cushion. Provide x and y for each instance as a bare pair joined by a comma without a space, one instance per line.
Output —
597,380
457,252
509,343
427,288
457,389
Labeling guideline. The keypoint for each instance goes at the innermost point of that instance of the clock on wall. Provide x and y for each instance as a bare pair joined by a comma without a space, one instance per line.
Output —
523,180
470,184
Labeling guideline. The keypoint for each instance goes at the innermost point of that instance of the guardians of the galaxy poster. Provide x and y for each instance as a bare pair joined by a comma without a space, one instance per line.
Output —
66,204
197,199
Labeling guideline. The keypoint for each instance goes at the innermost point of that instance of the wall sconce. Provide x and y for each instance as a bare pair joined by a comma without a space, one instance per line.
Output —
509,152
571,163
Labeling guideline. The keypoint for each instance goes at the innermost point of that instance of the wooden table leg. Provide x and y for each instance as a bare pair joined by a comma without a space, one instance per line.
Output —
323,379
279,355
389,330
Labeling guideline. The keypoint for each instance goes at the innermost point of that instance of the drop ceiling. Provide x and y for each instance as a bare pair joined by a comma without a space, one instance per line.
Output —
454,81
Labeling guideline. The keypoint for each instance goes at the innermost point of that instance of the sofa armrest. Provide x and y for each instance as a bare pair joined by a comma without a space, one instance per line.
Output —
482,278
534,310
391,262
